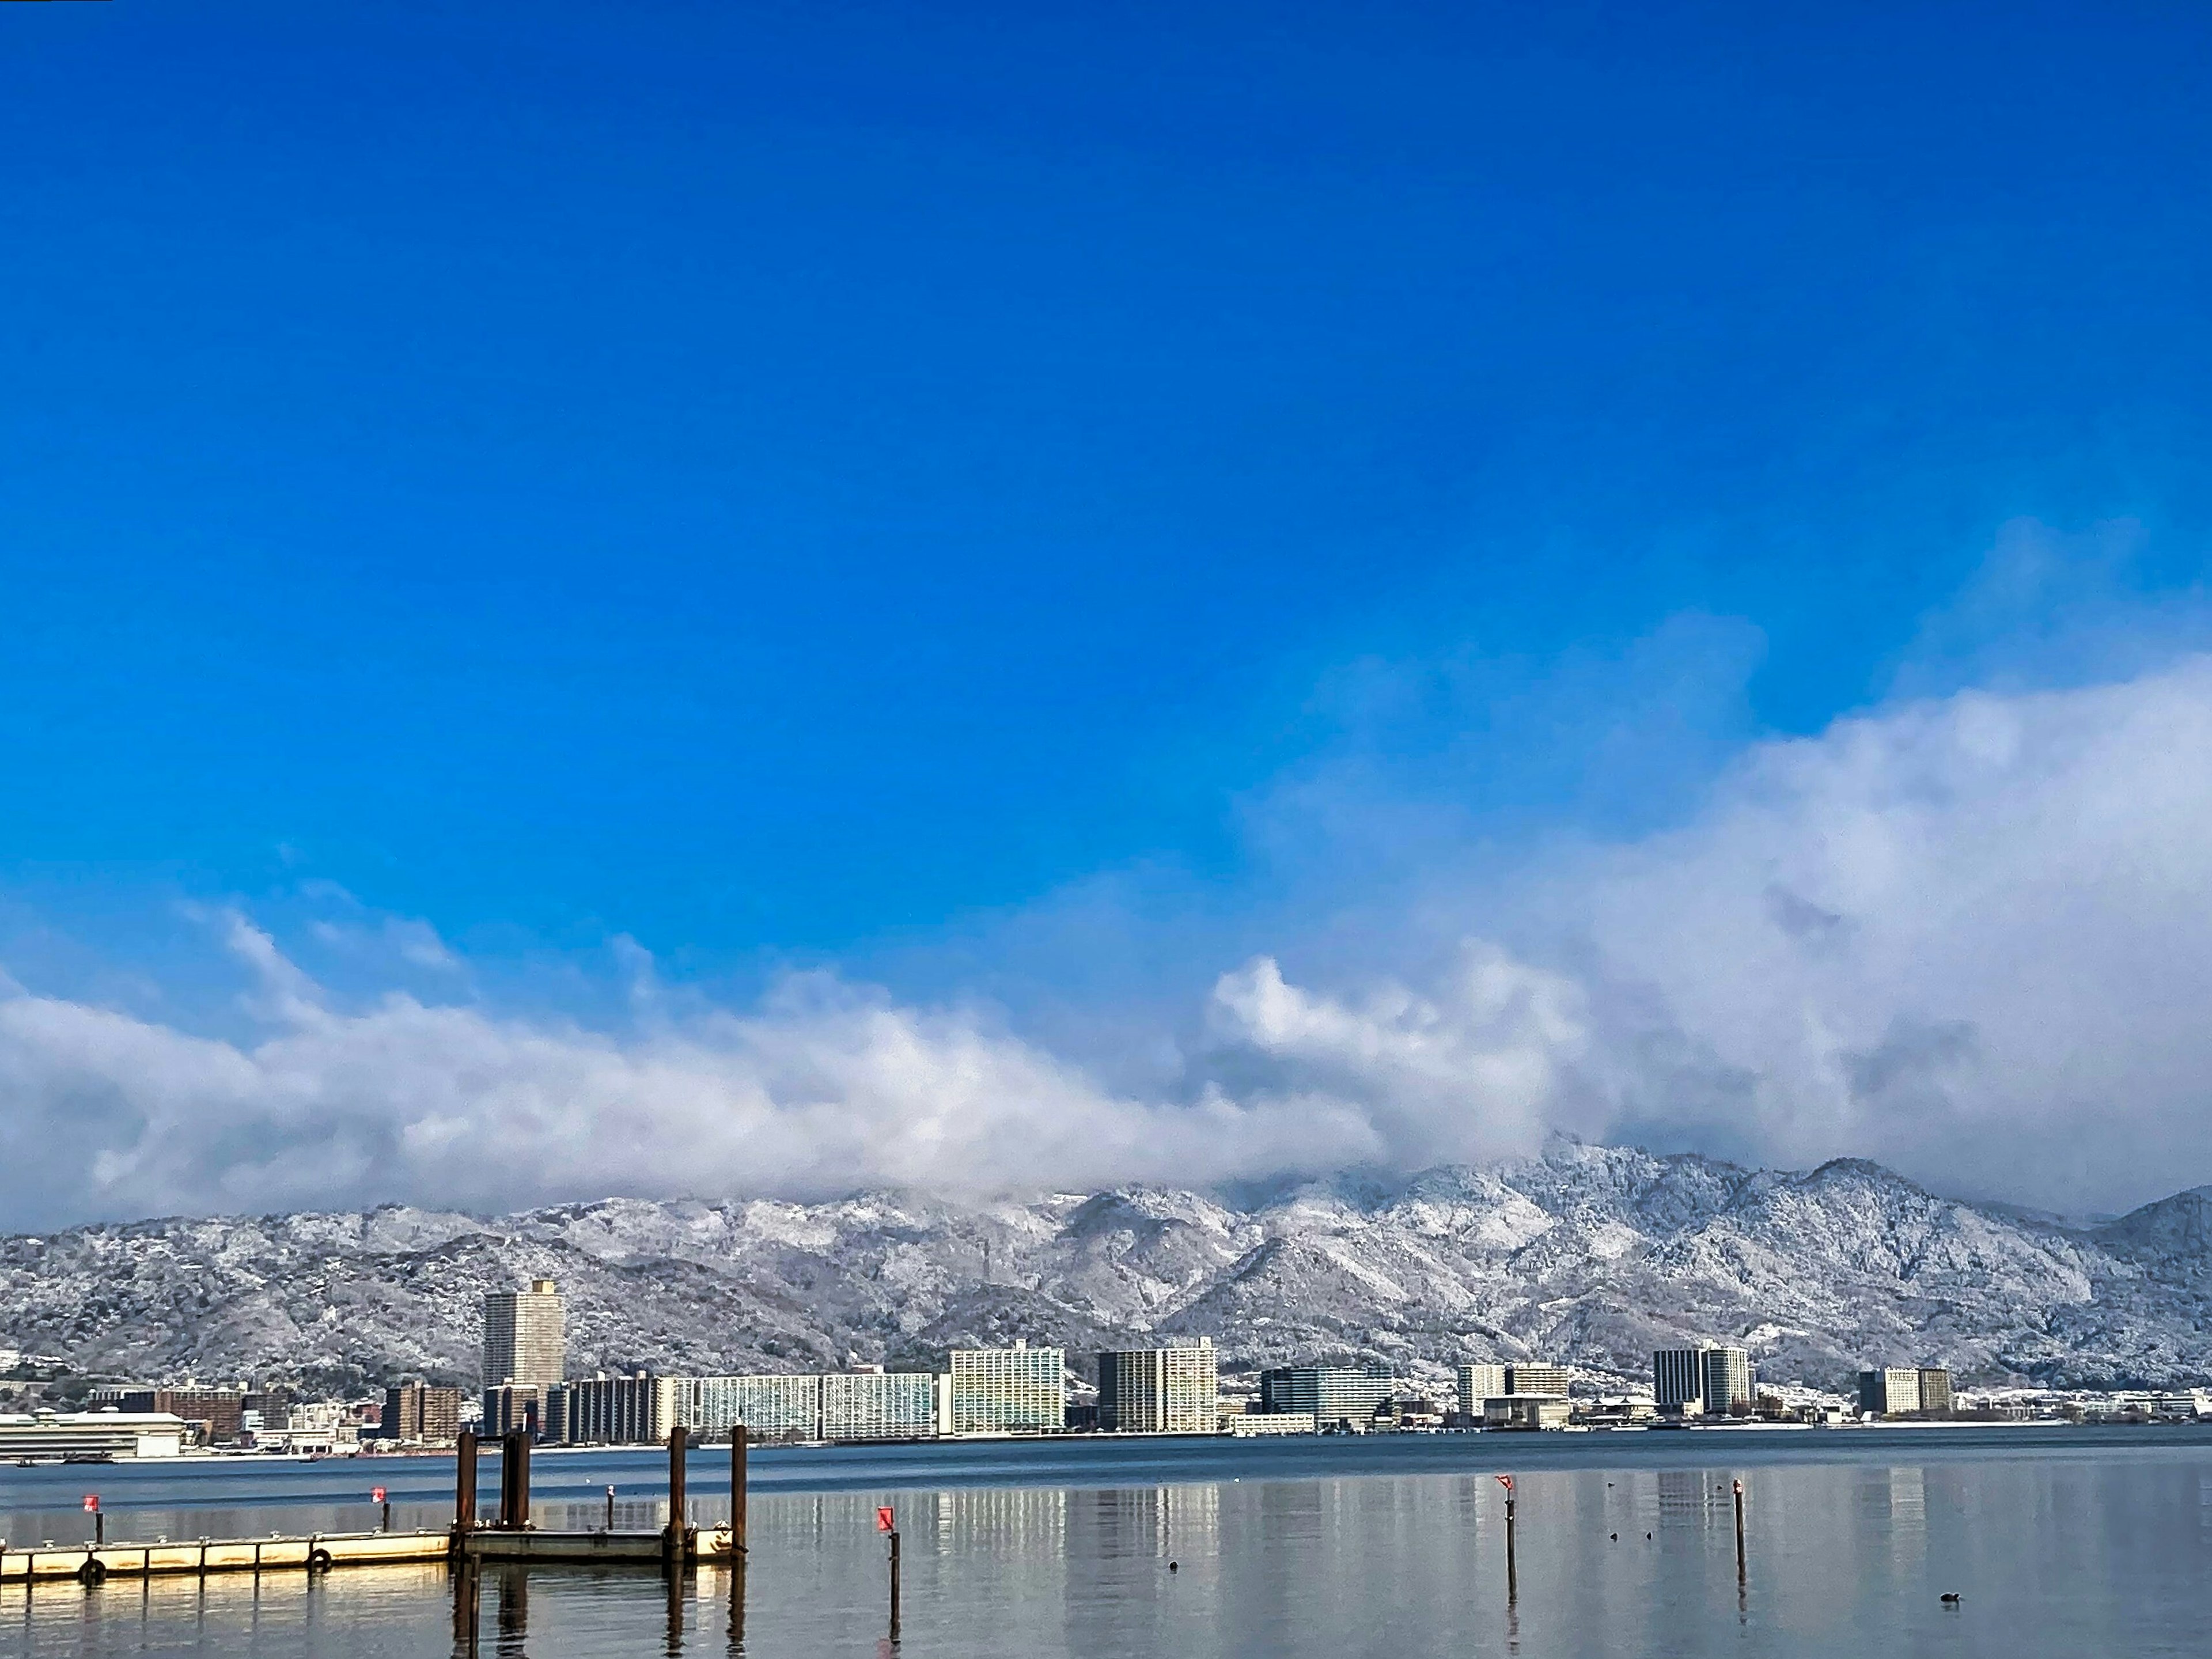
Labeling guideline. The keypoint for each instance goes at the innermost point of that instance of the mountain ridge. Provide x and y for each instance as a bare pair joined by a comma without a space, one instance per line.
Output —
1590,1254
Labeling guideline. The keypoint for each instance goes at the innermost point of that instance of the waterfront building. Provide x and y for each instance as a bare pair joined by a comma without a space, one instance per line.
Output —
1478,1383
525,1337
1526,1411
1538,1379
1729,1381
618,1411
419,1414
1019,1389
1895,1390
772,1407
514,1407
1678,1380
214,1417
1935,1390
878,1405
1161,1390
1244,1424
1330,1395
105,1433
1708,1378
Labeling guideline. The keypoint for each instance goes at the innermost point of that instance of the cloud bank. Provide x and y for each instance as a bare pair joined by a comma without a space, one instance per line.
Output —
1970,936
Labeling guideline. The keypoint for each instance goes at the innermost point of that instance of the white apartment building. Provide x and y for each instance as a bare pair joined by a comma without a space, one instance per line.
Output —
878,1406
770,1407
1161,1390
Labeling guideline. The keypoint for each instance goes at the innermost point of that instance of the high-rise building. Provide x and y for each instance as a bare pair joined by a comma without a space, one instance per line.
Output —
1019,1389
1901,1390
1730,1380
525,1337
878,1406
1331,1395
419,1414
1935,1389
1709,1378
1678,1380
1161,1390
1478,1383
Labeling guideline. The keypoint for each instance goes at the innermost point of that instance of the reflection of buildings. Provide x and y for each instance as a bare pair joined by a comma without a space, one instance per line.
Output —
1681,1495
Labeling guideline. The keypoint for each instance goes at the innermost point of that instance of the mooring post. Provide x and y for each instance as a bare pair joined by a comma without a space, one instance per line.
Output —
895,1585
464,1486
514,1480
739,1437
611,1509
674,1547
1739,1533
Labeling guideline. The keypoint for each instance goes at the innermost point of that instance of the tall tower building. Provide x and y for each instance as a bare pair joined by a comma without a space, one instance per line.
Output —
526,1336
1161,1390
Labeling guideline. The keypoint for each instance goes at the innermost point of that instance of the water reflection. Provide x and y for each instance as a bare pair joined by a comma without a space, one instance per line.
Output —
2053,1556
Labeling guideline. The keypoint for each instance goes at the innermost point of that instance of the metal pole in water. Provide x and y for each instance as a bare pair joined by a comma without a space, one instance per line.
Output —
1739,1533
1512,1560
895,1585
611,1509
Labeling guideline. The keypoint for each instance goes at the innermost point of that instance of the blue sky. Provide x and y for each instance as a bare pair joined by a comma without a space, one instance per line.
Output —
925,493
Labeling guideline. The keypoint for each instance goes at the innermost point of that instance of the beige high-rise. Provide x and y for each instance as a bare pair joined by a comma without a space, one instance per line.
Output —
526,1336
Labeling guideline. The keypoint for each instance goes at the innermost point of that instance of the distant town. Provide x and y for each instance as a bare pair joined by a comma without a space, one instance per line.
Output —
996,1393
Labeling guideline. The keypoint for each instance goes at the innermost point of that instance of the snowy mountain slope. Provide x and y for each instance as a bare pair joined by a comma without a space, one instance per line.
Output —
1594,1254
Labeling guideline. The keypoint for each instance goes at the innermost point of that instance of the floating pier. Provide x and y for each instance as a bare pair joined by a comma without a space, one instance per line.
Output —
91,1564
509,1539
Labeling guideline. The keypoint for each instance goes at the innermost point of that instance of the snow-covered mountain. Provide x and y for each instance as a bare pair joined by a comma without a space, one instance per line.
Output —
1592,1255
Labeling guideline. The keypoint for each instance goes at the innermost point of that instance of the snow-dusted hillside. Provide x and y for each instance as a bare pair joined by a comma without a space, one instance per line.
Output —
1593,1255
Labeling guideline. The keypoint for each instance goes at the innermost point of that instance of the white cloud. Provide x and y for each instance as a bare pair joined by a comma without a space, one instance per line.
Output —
822,1089
1969,936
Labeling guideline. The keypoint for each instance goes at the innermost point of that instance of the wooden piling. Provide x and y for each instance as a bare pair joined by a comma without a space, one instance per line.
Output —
464,1482
514,1481
678,1444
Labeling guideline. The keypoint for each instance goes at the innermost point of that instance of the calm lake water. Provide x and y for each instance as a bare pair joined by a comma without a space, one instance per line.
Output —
2057,1542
